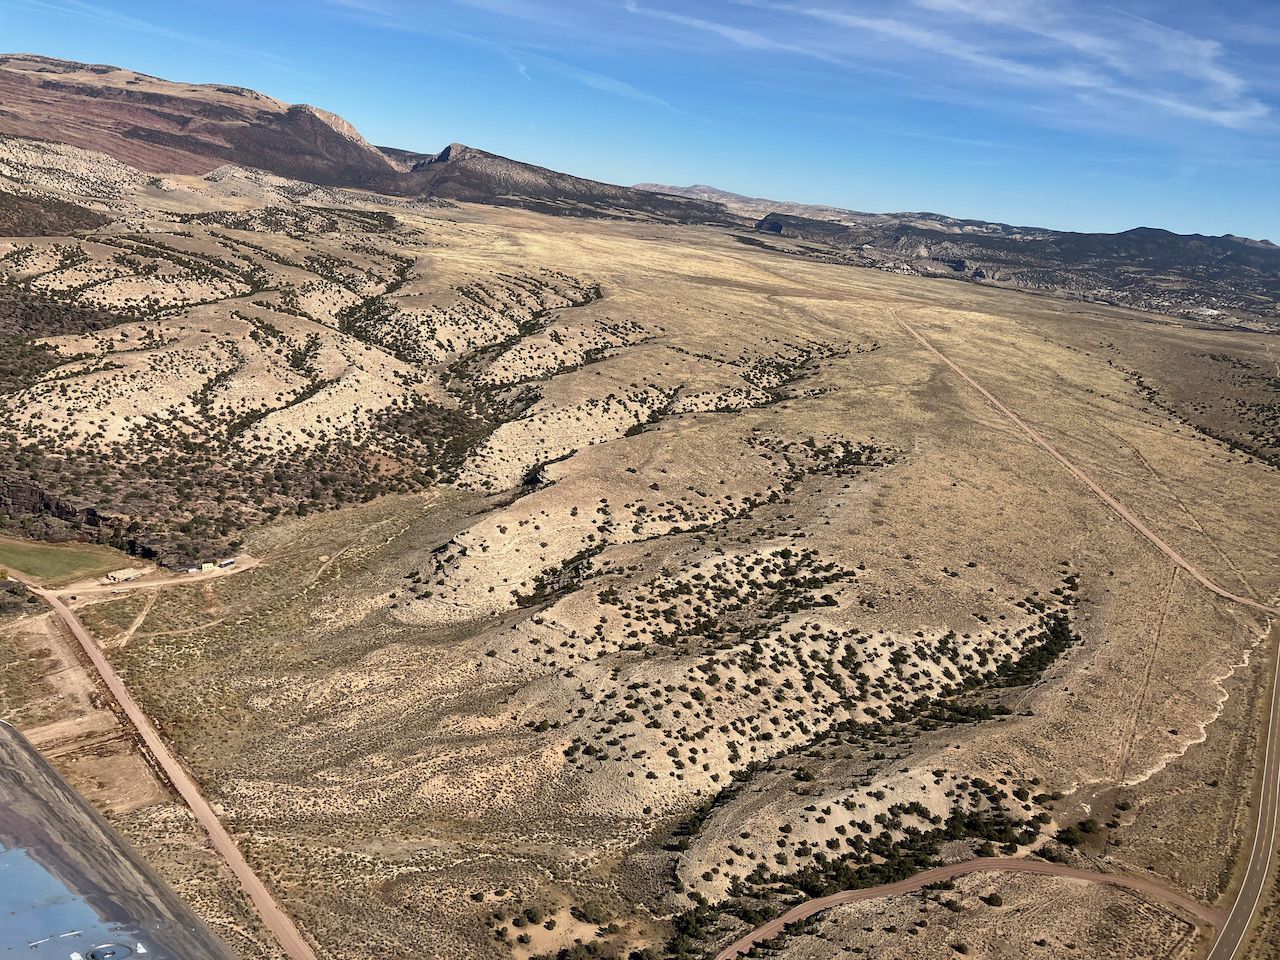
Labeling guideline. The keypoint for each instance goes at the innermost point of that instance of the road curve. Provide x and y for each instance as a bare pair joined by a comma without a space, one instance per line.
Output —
273,917
1233,933
1120,509
807,909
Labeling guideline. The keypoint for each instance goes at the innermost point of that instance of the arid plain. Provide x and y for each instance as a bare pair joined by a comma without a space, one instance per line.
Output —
619,581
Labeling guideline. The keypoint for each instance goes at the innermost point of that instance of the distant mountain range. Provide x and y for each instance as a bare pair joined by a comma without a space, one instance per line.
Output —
164,127
753,207
1223,279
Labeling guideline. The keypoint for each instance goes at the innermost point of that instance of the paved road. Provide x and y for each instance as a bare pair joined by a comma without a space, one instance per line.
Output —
1232,937
273,917
805,910
1120,509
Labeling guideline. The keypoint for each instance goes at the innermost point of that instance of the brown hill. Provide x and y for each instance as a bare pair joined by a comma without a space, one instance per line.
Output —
44,217
1220,280
459,172
753,207
179,128
164,127
1215,279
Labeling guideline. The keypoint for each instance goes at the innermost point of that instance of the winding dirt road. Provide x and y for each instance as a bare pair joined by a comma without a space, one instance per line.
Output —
1233,933
1232,927
1120,509
273,917
803,911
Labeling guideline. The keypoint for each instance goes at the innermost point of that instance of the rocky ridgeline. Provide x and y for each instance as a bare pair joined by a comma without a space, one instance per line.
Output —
263,340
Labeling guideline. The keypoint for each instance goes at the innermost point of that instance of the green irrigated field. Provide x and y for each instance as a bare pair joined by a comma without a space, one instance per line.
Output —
57,561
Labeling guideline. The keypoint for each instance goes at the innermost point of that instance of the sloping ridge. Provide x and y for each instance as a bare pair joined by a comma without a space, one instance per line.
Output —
175,128
1140,247
808,218
459,172
1224,280
164,127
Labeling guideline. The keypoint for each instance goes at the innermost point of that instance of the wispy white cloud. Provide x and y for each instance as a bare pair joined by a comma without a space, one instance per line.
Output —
598,81
375,7
406,18
92,11
739,36
1145,61
1073,63
1108,60
757,40
943,138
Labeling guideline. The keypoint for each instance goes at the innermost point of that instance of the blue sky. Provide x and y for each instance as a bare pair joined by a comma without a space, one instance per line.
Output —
1064,113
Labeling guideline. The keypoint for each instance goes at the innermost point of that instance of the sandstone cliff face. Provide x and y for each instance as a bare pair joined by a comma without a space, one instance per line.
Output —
164,127
65,520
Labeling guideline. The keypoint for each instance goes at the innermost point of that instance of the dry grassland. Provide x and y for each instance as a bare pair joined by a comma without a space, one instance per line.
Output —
703,581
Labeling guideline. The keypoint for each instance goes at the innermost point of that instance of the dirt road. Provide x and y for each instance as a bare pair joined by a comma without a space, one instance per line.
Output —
157,578
1140,885
1120,509
1233,933
273,917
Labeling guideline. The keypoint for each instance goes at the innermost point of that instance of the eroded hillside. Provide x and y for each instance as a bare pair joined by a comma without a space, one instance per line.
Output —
620,581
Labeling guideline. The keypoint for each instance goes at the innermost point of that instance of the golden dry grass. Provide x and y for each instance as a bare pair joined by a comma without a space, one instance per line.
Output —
730,521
